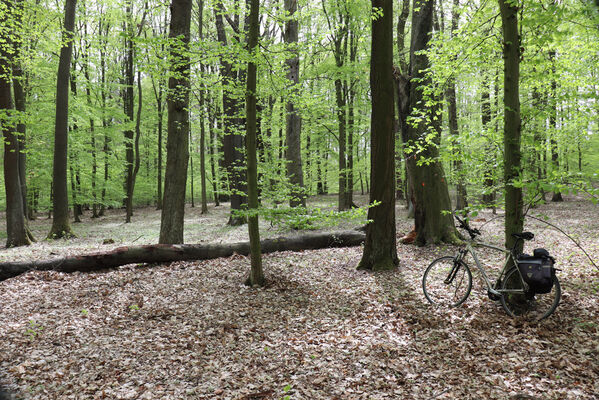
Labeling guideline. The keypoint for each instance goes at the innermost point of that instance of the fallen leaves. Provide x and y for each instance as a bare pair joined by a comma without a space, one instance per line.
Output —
318,330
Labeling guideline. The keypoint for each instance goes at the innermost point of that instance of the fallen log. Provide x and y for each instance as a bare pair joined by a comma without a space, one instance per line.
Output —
162,253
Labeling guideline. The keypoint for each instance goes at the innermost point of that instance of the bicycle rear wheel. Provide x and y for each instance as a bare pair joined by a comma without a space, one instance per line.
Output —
446,283
525,304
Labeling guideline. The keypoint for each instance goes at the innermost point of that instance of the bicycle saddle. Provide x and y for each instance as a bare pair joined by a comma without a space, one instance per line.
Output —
524,235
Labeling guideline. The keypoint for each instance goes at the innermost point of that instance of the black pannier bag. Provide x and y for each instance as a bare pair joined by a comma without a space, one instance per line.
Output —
537,270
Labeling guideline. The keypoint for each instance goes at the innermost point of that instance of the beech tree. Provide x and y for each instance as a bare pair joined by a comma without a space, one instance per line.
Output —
256,274
293,124
380,252
514,219
177,147
16,222
432,204
60,207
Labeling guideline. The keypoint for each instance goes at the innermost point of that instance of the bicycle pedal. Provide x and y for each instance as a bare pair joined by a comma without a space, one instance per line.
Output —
493,296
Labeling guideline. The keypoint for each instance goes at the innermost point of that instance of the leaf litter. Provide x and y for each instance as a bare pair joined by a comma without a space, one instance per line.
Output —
318,330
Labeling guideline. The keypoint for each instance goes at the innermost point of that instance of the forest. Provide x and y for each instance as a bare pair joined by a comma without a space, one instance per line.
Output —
243,199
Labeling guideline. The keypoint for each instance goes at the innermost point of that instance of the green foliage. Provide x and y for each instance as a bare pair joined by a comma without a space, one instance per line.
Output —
33,330
300,218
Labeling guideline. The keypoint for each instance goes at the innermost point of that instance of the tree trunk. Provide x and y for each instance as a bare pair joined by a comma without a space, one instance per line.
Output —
160,128
177,146
489,173
514,219
256,276
428,183
128,100
293,124
557,196
91,125
103,33
213,156
380,251
60,205
164,253
452,115
16,224
232,141
202,116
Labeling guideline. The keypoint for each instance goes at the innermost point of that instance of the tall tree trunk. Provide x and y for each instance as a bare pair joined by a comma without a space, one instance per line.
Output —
256,276
428,183
137,137
351,97
452,115
293,120
489,173
60,205
514,219
557,196
128,100
202,116
160,129
104,28
380,251
213,155
403,70
232,141
539,142
191,178
177,146
91,125
16,224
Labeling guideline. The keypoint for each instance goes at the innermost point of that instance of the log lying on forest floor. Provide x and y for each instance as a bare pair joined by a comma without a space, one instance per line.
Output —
162,253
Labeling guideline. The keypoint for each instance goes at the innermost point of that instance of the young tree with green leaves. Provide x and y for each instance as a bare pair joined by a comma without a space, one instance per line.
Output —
256,277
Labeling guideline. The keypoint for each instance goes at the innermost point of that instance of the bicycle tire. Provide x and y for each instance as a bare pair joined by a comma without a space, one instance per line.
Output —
535,307
438,292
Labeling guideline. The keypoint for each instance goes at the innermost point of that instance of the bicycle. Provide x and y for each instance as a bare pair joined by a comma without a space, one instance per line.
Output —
448,280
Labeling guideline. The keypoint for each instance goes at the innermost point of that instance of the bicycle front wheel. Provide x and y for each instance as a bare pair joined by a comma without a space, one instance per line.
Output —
447,283
518,303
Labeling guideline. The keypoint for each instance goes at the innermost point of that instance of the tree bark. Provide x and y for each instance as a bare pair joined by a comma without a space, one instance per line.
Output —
380,251
104,28
16,223
202,105
177,146
557,196
128,100
163,253
293,124
488,197
256,277
60,205
452,115
232,141
514,219
428,183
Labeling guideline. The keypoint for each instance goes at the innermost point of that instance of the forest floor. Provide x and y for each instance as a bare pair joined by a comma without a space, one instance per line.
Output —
318,330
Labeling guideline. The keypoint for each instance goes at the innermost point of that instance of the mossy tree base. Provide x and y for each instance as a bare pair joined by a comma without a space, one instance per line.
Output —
61,232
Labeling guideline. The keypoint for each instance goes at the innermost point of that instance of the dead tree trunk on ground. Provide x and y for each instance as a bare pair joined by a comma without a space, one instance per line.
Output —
163,253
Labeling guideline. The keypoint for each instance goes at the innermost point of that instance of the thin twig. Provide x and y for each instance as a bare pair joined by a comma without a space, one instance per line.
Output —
569,237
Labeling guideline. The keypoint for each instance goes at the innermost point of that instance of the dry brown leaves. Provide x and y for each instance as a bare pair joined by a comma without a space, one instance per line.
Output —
319,330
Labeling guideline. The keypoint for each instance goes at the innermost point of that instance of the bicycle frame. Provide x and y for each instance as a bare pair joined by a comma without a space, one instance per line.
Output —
510,257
